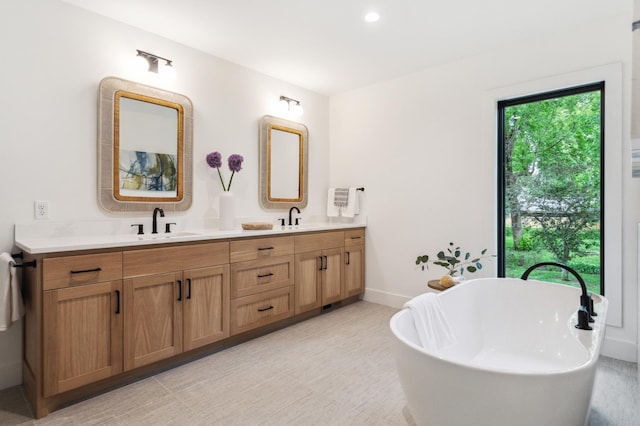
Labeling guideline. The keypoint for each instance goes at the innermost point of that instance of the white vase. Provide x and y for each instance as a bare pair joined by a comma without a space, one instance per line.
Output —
227,207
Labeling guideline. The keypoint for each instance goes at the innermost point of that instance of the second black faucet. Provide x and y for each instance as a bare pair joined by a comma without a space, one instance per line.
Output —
154,229
290,214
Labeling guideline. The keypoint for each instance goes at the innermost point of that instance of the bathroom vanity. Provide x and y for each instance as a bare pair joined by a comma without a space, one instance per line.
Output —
101,315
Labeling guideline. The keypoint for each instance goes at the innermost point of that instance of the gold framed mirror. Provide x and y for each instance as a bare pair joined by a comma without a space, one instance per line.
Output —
284,153
145,148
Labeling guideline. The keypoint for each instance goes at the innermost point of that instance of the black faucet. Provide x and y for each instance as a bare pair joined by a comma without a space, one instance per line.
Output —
157,210
586,303
290,212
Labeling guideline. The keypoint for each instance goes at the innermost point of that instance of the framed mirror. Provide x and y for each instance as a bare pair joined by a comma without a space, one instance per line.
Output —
145,148
284,157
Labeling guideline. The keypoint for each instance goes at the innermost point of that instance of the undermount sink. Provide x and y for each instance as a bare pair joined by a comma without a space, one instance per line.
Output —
169,236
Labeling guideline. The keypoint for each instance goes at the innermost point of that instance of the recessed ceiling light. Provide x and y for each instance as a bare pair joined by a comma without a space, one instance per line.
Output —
372,17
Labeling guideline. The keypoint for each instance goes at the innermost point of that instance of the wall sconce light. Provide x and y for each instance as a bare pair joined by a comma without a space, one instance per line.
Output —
149,62
291,105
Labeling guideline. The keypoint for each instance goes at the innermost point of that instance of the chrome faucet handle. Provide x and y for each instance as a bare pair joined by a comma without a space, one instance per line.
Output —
140,228
167,227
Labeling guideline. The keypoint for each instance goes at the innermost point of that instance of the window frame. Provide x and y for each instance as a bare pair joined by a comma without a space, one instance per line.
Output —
616,165
537,97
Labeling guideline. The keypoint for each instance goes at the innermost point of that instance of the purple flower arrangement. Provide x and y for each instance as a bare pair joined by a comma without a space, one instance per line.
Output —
214,160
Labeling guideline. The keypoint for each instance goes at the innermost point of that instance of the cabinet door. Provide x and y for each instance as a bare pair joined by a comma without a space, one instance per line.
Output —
206,306
152,318
353,270
82,335
307,278
332,276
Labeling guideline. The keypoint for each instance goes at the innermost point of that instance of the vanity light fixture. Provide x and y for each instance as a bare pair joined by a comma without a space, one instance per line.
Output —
150,62
291,105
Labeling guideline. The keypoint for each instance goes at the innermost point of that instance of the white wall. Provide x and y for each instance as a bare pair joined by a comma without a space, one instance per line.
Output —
54,56
424,146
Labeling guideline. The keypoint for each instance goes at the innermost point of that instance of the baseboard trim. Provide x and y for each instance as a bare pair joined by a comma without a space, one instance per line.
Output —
619,349
385,298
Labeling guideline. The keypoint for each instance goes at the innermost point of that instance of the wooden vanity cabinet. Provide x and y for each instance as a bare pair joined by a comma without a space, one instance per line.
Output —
319,273
96,319
168,311
82,335
82,321
353,263
205,306
153,319
262,289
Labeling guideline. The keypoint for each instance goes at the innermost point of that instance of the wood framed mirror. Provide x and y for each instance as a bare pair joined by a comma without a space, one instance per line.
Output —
145,148
284,153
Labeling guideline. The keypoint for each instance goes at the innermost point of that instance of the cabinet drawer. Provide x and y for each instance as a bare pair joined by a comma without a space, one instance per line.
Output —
354,237
260,248
70,271
260,309
319,241
257,276
169,259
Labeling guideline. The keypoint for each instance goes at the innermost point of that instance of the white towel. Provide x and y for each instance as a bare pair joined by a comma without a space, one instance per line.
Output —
352,208
332,210
431,324
11,307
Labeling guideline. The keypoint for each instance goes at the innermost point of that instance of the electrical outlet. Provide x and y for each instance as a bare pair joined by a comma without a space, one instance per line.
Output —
41,209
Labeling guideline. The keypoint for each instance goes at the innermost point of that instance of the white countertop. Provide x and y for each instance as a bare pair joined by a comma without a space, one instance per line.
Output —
39,238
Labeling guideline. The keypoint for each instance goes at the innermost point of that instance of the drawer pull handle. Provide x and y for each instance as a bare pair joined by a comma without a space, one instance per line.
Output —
265,309
265,248
320,259
84,271
355,238
326,263
270,274
117,301
188,288
179,290
348,258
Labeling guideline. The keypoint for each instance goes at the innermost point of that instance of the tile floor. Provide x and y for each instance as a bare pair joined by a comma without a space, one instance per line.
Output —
335,369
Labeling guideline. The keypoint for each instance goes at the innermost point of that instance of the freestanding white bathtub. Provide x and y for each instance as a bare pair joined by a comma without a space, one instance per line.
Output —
518,358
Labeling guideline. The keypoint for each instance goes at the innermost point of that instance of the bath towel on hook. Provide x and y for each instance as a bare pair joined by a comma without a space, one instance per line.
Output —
11,307
430,321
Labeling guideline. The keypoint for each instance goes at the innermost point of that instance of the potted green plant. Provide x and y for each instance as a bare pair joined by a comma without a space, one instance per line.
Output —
453,260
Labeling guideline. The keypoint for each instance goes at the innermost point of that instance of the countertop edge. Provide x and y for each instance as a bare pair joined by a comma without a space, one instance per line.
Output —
36,246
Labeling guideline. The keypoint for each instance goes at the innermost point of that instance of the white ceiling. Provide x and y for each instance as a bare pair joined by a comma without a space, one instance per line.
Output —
326,46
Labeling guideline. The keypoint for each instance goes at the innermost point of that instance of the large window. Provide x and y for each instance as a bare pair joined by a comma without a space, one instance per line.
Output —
551,183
